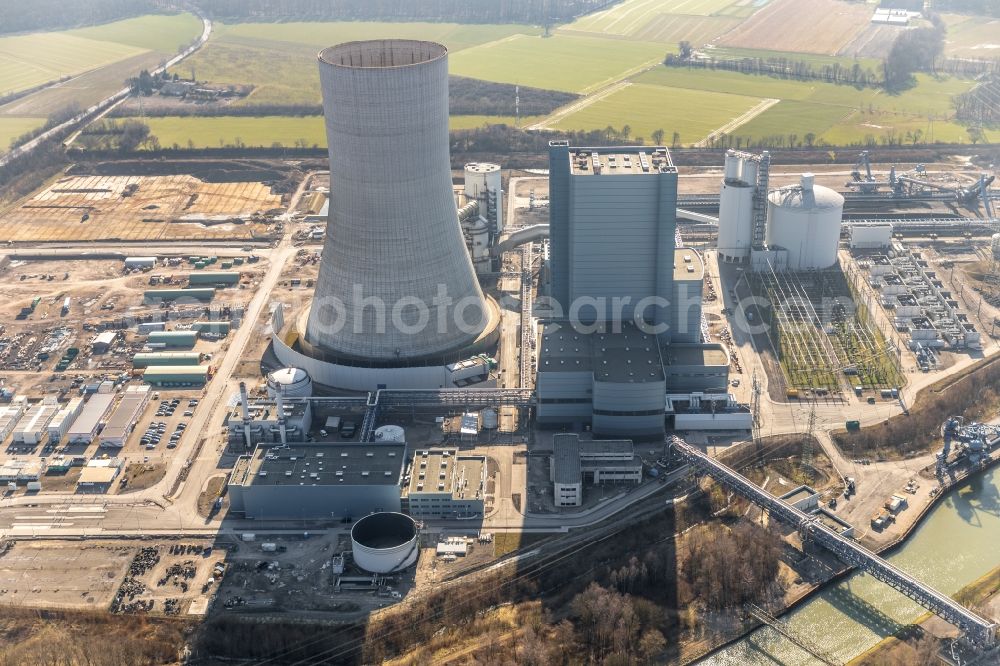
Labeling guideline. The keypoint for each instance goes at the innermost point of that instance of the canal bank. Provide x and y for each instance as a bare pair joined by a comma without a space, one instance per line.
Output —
951,543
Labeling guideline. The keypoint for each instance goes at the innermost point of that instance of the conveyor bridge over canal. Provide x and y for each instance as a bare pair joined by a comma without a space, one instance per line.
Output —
979,631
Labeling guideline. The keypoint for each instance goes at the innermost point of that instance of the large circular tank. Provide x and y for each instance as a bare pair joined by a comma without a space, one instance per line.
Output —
805,220
384,542
390,433
290,382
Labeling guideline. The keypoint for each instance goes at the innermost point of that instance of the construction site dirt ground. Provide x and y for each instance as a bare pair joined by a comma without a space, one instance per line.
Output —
140,208
64,575
301,579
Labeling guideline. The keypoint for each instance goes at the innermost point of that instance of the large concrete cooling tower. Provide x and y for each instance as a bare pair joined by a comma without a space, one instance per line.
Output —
393,244
397,303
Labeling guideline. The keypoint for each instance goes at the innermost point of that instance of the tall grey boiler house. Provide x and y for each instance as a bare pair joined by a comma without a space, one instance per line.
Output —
397,302
625,342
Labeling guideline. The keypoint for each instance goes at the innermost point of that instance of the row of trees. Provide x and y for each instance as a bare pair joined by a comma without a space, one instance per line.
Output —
779,67
122,136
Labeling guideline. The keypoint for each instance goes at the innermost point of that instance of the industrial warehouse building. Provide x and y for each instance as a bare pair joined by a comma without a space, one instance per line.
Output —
445,484
85,427
33,426
176,376
214,278
143,360
11,414
157,296
125,416
103,341
60,423
576,462
173,339
317,481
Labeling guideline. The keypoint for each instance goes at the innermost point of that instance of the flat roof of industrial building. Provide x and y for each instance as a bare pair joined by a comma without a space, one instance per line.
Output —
629,355
694,354
356,464
93,411
597,447
175,370
620,161
564,349
566,458
446,470
684,259
625,355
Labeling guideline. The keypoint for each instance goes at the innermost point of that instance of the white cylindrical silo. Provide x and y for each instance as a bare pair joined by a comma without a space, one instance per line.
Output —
290,383
384,542
483,183
735,221
805,221
995,245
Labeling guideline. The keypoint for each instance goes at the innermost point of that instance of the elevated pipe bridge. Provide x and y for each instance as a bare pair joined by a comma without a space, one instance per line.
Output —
978,630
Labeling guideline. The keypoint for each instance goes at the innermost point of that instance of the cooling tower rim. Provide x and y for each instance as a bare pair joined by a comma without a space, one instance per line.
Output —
327,55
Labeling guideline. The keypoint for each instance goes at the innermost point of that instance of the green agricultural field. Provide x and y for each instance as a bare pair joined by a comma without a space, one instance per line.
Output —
30,60
219,131
645,108
456,36
562,62
794,117
837,114
279,59
13,127
164,33
972,37
633,16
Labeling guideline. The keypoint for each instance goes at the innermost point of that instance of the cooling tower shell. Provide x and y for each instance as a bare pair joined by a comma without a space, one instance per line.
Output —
395,282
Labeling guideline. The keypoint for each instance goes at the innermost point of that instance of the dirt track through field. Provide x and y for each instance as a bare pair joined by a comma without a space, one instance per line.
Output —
736,122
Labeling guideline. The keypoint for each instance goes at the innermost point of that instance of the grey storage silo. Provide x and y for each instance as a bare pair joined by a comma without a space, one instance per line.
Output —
393,238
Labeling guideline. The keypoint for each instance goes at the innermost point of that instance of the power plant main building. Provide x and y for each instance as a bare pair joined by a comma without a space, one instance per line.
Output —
397,300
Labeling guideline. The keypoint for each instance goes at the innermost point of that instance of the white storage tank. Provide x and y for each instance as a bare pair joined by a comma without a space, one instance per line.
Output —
805,221
995,245
390,434
385,542
290,382
735,221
